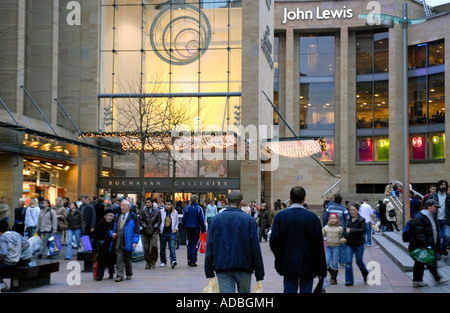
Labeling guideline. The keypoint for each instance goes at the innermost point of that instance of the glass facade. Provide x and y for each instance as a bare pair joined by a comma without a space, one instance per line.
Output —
159,47
173,47
426,96
317,88
372,96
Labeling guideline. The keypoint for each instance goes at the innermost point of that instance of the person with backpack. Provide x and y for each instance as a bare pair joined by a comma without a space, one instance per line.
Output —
168,231
424,232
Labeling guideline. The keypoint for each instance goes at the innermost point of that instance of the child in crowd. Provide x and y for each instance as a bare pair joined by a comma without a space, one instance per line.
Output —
333,237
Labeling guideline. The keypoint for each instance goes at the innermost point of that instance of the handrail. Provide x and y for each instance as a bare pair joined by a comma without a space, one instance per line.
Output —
410,187
396,201
337,183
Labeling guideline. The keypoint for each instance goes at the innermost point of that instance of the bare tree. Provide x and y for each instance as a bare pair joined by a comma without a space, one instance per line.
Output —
147,123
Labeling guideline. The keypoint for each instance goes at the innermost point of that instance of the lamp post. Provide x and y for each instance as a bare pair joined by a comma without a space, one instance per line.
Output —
389,21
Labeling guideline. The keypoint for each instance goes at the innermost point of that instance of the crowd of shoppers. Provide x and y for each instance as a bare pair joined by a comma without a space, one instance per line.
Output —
304,246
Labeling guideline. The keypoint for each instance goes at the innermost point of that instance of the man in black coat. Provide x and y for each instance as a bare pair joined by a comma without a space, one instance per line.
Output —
89,215
297,243
424,232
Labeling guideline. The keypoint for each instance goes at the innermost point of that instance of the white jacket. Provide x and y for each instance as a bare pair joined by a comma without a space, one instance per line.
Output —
32,216
173,216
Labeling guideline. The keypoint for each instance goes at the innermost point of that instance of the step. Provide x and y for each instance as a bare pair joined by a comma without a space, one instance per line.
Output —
396,238
397,254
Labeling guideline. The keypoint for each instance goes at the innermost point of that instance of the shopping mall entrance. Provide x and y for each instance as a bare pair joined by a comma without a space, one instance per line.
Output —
208,189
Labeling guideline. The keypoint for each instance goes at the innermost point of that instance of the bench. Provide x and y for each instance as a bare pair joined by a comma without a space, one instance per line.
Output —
35,274
88,258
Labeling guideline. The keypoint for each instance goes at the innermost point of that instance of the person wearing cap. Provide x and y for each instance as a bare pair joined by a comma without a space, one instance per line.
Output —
106,256
424,232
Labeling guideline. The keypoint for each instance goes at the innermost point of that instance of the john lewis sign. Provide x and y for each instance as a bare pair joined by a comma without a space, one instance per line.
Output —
318,14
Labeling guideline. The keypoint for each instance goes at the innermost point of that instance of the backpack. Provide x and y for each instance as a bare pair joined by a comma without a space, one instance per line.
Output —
406,236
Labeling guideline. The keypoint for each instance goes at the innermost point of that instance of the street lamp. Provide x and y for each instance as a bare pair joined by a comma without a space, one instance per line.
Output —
388,21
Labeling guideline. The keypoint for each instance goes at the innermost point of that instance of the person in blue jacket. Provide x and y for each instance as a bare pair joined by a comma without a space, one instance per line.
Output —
126,234
194,223
297,244
233,250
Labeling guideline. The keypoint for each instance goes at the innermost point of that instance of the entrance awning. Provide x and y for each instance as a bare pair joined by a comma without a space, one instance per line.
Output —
31,131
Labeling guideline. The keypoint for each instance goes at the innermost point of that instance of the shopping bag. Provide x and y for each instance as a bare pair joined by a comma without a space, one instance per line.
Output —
85,242
52,249
203,237
35,243
139,248
258,288
95,266
425,256
212,287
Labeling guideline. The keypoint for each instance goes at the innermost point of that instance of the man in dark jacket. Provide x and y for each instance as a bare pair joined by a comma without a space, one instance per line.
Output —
297,243
150,220
89,215
232,248
194,223
424,232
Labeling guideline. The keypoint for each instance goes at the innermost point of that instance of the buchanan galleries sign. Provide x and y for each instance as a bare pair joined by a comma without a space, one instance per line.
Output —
298,14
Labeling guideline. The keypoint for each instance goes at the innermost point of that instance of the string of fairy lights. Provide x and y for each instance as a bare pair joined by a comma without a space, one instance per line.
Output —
163,141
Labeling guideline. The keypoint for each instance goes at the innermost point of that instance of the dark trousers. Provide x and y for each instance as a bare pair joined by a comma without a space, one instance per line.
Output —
419,268
105,259
295,284
193,239
151,248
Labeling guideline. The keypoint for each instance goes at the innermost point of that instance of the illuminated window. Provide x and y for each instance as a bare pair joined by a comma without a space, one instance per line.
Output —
317,88
426,100
427,146
372,54
372,149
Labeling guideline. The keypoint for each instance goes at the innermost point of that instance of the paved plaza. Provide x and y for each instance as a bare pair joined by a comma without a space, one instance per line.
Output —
185,279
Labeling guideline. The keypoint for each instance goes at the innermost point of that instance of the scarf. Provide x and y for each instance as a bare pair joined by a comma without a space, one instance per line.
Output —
433,223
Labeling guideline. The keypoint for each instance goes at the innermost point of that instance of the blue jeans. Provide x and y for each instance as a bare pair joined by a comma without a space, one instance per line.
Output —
71,233
442,234
332,254
31,230
229,280
163,239
292,284
368,234
358,251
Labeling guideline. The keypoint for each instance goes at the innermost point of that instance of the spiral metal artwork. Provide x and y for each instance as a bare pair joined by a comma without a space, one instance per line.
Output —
180,34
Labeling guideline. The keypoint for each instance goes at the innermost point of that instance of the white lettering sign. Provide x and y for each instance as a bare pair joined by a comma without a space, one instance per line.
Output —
318,14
